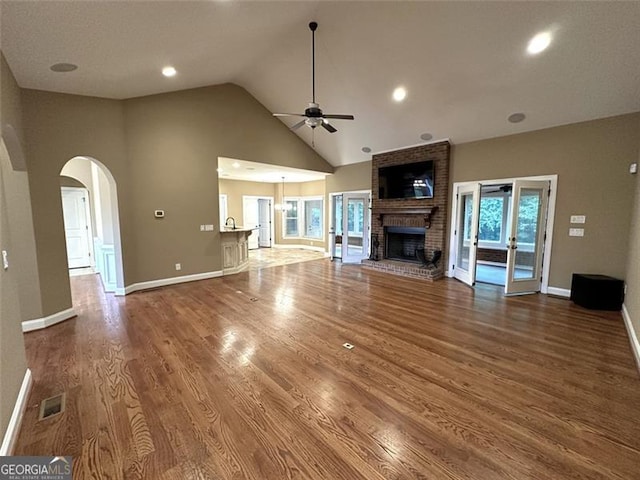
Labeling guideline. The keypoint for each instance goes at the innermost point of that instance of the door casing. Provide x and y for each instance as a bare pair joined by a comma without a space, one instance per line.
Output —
551,207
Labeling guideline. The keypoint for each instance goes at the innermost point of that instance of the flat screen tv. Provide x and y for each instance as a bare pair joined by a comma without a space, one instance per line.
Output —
411,180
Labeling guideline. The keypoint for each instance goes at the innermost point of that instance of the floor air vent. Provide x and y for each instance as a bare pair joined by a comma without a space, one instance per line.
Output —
52,406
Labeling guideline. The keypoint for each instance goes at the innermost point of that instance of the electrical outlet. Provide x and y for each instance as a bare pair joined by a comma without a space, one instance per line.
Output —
578,218
178,266
576,232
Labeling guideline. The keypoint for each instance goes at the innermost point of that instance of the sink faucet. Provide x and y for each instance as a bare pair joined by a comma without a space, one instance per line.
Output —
233,222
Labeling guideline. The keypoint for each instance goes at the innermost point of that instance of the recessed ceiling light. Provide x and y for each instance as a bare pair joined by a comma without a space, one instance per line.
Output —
426,137
169,72
539,43
235,165
366,149
63,67
516,117
399,94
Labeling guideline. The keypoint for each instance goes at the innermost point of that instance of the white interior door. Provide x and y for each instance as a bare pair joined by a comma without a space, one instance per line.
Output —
250,219
264,222
466,233
526,236
355,227
76,226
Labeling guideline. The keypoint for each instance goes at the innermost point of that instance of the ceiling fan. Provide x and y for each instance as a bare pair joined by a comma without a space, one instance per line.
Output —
313,115
506,188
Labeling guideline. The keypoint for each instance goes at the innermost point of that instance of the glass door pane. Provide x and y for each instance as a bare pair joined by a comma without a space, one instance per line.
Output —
526,238
335,232
467,211
355,227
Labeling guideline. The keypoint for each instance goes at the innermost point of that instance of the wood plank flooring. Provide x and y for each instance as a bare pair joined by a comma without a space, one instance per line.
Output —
244,377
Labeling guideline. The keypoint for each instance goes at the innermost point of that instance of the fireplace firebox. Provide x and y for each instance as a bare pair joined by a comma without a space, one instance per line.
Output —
402,243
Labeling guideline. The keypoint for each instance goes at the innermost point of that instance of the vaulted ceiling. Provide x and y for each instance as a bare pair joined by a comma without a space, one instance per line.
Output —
464,65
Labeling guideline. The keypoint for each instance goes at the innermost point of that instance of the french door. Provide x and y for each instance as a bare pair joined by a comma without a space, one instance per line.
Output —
526,236
466,233
355,227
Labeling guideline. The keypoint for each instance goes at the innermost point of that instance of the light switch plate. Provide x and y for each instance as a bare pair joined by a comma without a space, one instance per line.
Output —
208,228
202,228
5,260
576,232
578,218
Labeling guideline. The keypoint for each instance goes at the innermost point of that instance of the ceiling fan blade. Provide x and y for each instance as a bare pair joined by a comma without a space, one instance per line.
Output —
298,125
340,117
289,115
328,127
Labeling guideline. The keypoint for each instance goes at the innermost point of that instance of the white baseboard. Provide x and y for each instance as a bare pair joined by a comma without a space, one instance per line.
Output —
633,337
38,323
558,292
234,270
302,247
13,429
163,282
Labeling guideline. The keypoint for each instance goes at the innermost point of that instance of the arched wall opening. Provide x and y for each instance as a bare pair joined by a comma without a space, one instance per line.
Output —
105,218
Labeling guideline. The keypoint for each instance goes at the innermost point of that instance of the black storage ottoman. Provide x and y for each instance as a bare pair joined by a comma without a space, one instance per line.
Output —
597,292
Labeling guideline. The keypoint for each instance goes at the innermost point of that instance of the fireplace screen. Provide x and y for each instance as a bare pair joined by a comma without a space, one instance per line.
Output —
402,243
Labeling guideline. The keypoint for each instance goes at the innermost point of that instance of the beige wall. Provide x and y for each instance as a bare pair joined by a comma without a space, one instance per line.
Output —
632,297
592,161
12,191
162,151
350,178
17,197
59,127
236,189
173,143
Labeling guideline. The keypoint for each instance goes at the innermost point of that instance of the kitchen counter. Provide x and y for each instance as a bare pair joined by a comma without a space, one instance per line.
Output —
235,249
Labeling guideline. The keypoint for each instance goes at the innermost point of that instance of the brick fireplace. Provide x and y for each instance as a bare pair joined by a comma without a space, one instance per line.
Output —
416,227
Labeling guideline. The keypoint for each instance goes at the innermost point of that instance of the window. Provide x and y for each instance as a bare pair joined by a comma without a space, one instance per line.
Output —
304,218
492,219
355,218
291,218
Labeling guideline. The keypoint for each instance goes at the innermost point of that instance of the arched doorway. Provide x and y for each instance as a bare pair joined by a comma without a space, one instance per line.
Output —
102,209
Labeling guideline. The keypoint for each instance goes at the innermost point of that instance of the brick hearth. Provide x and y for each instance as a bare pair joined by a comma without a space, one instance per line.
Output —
412,212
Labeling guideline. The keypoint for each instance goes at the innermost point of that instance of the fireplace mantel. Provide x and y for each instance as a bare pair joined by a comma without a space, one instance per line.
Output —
396,211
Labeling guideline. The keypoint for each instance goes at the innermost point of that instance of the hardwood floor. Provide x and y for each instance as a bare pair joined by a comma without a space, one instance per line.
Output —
245,377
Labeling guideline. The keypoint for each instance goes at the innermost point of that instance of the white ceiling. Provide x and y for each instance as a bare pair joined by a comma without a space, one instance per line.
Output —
236,169
464,64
